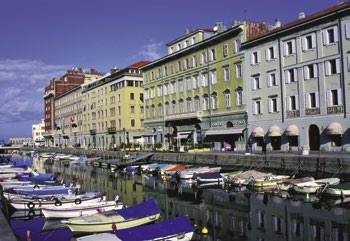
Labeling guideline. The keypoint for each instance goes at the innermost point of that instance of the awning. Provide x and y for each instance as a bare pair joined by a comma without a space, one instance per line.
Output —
334,129
258,132
274,131
148,134
228,131
292,130
137,137
184,134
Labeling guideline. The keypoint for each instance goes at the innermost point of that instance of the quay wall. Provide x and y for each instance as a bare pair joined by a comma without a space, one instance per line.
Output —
317,164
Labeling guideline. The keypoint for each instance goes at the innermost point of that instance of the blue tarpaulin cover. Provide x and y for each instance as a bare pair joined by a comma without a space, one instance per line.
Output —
144,209
177,226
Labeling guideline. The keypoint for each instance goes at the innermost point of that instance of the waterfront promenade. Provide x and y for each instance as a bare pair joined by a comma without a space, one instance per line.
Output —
317,163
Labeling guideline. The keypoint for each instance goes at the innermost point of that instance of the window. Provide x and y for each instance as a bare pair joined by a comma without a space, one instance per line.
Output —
255,58
226,74
132,123
187,63
273,104
132,96
312,100
332,66
179,66
167,108
271,79
227,99
132,109
203,57
204,80
205,102
290,75
212,54
213,77
292,102
159,91
330,35
257,107
153,111
289,48
181,86
347,30
165,70
270,53
188,84
239,71
334,97
194,39
225,50
194,61
239,97
181,106
236,46
214,101
189,105
196,82
160,110
166,89
152,94
310,71
173,107
196,103
256,83
308,42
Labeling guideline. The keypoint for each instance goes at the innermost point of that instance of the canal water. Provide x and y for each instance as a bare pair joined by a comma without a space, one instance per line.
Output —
227,216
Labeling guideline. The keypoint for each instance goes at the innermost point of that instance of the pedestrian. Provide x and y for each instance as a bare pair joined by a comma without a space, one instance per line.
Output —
264,147
250,145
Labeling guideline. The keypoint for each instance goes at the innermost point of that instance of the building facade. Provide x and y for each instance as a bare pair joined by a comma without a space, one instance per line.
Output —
73,78
297,77
195,95
113,110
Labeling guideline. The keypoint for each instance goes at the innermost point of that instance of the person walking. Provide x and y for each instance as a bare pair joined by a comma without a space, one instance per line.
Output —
264,147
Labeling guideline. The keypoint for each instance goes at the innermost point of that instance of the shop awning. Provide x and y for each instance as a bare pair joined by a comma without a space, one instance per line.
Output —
184,134
228,131
148,134
334,128
292,130
258,132
274,131
137,137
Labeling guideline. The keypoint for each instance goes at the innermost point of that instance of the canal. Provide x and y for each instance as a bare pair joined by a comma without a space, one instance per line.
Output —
227,216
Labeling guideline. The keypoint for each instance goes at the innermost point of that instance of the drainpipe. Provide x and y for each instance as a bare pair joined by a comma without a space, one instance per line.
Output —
281,79
342,67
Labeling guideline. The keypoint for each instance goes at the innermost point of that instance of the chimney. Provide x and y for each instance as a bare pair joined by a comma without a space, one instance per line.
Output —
278,23
301,15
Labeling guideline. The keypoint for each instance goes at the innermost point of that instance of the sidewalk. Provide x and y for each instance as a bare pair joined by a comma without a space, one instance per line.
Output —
6,233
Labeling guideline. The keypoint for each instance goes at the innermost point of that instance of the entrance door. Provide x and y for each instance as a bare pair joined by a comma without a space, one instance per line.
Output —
314,138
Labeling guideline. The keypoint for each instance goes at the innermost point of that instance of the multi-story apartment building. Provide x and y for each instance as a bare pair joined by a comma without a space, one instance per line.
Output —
68,118
68,81
196,93
38,131
297,76
113,109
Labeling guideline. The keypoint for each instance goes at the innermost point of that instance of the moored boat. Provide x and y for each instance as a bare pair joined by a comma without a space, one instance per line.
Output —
133,216
314,186
77,210
172,230
337,191
288,184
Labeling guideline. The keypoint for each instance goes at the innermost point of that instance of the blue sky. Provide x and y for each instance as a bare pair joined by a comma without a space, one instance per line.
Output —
41,39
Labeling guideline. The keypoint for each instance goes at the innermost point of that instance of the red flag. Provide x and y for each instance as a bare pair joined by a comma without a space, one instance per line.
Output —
71,119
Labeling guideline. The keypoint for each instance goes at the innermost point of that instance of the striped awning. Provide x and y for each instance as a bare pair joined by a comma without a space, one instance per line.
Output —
228,131
292,130
334,128
275,131
258,132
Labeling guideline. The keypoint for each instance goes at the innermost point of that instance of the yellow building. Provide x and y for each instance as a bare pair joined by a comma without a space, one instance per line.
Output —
195,94
113,109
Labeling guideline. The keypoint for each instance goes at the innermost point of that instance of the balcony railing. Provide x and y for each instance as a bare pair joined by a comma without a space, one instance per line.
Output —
182,116
112,130
293,113
313,111
335,109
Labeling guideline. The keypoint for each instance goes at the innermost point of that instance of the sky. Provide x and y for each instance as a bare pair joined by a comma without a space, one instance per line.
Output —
42,39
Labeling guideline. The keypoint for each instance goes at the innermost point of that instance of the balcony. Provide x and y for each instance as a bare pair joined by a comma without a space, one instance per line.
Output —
293,113
313,111
93,132
335,109
112,130
183,116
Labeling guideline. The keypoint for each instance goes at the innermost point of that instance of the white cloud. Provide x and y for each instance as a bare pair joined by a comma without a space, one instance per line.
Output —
22,87
152,51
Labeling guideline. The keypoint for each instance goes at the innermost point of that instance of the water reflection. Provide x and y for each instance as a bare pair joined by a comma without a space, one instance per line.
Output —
227,216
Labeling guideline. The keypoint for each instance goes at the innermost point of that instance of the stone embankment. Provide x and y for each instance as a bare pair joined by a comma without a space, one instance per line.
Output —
317,164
